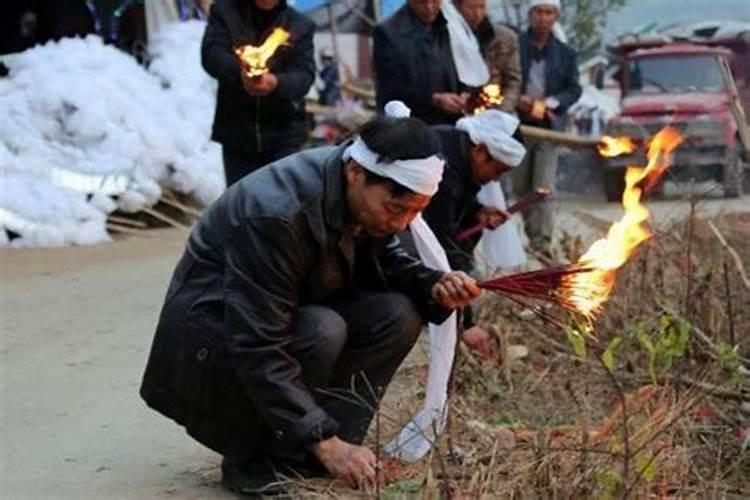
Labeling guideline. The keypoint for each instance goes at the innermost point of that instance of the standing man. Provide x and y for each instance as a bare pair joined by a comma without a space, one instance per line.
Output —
550,86
258,119
329,93
293,292
414,64
499,47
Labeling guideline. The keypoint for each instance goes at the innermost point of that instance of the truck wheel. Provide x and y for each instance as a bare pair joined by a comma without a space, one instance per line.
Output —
733,176
614,184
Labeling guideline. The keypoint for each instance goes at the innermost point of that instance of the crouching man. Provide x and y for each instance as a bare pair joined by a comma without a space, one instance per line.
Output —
292,294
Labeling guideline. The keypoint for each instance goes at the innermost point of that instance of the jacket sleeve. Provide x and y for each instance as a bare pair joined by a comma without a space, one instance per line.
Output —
442,217
409,276
217,52
505,66
571,90
264,266
391,70
295,79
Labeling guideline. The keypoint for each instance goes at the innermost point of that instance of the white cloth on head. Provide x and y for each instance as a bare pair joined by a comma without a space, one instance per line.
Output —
397,109
421,175
470,65
502,246
494,129
548,3
418,436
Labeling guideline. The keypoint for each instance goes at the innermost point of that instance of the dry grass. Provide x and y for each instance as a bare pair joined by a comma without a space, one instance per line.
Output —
553,425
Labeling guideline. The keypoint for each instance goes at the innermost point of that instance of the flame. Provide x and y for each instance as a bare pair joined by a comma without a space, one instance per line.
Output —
256,58
490,96
616,146
589,290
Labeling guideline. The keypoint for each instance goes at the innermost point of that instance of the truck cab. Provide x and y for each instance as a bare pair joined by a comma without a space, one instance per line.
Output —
692,86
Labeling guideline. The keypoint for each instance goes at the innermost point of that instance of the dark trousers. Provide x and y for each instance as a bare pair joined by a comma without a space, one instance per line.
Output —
238,163
348,350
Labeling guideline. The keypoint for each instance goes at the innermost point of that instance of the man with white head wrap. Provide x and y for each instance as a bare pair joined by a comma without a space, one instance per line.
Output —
293,288
477,151
549,87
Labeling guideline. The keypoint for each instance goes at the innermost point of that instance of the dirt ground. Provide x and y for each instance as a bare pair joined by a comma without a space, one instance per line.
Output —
75,330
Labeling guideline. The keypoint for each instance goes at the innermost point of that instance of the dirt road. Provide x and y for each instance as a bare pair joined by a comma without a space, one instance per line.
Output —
75,329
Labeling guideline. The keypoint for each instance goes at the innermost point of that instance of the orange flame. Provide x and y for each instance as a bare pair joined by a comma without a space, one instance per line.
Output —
589,290
256,58
616,146
490,96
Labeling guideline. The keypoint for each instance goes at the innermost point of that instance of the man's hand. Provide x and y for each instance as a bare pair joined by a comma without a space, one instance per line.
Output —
259,85
525,103
449,103
480,341
455,290
492,217
354,464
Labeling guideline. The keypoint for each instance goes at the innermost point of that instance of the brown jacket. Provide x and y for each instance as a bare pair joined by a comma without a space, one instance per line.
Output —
504,63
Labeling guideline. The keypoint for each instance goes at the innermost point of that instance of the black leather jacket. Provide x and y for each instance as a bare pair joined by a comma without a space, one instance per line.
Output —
266,123
274,241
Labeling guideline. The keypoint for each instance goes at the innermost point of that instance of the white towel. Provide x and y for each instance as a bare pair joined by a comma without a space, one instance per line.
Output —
502,246
418,436
470,65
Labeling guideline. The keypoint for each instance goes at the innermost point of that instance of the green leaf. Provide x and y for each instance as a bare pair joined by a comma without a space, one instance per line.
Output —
608,357
405,488
503,420
646,465
576,341
609,484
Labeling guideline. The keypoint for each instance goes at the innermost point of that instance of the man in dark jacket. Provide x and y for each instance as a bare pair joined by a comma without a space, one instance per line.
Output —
292,293
477,151
550,86
413,63
258,119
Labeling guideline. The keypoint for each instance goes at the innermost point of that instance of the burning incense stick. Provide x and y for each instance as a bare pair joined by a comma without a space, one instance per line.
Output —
584,286
538,195
256,58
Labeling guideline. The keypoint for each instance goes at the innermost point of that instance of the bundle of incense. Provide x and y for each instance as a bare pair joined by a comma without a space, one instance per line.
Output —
522,204
550,285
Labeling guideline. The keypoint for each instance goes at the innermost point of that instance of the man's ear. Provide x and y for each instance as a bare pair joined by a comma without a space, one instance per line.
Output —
353,171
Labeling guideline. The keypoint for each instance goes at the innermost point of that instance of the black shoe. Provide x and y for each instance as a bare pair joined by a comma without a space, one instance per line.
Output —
253,478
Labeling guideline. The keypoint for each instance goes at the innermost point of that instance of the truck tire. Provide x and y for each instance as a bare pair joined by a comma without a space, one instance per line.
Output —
614,183
733,176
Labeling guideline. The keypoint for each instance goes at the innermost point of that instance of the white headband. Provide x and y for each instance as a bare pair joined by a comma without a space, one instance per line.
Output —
421,175
494,129
548,3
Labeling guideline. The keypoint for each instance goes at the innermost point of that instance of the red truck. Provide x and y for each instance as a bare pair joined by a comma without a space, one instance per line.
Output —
701,85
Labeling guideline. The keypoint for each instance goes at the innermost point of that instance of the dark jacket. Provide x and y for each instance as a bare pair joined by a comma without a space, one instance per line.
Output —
266,123
561,74
454,207
274,241
412,62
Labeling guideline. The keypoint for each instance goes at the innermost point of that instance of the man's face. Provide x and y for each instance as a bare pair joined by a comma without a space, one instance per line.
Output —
375,209
474,11
484,168
266,4
542,18
426,10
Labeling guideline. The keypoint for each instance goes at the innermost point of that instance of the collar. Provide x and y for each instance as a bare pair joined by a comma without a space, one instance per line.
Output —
439,22
335,208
